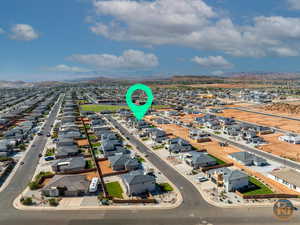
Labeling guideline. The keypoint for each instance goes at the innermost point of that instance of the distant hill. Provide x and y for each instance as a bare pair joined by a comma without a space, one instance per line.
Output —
14,84
193,78
264,76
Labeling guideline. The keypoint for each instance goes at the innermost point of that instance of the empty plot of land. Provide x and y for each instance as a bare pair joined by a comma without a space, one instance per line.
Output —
280,148
284,124
275,112
189,118
232,85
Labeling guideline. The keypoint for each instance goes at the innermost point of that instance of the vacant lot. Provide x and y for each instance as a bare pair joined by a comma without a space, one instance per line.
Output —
232,85
281,148
114,189
284,124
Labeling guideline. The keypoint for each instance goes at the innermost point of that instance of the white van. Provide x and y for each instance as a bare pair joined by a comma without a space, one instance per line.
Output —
94,185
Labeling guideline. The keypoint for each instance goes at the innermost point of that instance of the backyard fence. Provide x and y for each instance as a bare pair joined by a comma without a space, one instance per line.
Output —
266,196
216,167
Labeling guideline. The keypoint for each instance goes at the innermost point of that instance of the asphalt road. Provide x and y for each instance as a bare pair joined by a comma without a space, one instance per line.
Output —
193,211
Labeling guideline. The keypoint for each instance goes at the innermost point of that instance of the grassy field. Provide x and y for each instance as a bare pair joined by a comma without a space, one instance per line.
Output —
114,189
113,108
261,188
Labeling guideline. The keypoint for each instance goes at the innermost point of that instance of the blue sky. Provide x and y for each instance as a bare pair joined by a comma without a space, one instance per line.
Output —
67,39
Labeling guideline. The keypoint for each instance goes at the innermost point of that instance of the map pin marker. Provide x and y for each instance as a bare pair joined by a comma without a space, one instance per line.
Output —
139,111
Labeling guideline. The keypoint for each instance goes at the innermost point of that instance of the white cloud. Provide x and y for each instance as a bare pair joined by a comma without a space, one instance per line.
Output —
213,62
66,68
195,24
294,4
1,31
23,32
130,59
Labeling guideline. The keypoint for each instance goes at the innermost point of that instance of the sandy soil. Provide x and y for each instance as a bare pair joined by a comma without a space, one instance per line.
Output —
285,124
293,115
281,148
105,167
216,85
83,142
238,85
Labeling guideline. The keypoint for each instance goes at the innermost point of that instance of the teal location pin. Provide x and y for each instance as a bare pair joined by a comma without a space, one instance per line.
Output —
139,111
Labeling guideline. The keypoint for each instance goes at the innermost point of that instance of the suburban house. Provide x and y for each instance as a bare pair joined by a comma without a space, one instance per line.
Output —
199,135
177,145
157,135
213,124
66,185
248,159
235,180
137,183
199,159
123,162
69,164
293,139
66,151
6,146
62,142
288,177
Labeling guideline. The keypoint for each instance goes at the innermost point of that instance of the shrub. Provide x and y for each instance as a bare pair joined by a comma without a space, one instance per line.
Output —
53,202
89,164
34,185
165,187
27,201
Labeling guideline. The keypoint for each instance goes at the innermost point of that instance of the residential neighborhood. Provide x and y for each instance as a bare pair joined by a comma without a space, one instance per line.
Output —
96,153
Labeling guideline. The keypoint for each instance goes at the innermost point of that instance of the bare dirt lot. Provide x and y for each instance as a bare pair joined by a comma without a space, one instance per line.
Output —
216,85
275,112
284,124
280,148
237,85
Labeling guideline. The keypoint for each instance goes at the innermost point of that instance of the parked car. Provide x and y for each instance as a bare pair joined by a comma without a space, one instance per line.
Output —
202,179
49,158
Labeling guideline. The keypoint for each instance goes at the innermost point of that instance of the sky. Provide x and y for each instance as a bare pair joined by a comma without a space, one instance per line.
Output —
70,39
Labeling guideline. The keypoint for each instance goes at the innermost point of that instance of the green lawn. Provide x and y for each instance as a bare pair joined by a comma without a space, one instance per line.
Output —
113,108
100,108
97,144
261,188
114,189
219,161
